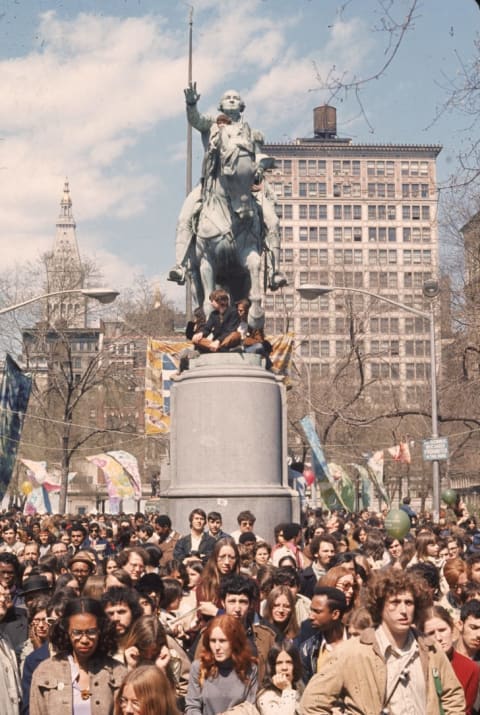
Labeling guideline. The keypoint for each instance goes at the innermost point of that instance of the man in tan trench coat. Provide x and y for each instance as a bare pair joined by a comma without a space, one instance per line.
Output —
388,669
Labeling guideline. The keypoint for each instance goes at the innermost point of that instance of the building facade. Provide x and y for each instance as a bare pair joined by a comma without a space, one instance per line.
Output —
358,216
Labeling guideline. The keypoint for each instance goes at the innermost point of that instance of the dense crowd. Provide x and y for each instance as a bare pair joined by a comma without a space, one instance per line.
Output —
103,615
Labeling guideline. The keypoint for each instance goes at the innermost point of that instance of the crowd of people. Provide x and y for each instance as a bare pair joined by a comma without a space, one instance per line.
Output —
103,615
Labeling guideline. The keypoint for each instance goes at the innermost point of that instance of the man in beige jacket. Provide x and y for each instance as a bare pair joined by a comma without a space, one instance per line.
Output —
388,669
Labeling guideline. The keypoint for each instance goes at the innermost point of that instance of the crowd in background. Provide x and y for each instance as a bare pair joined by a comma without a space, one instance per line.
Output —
131,614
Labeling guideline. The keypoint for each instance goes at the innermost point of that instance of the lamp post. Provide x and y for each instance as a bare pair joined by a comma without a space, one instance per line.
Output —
103,295
430,290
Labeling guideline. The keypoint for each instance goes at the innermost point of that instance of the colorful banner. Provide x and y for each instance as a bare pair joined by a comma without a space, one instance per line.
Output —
14,394
281,355
117,481
365,489
162,362
324,481
130,464
400,453
375,463
344,485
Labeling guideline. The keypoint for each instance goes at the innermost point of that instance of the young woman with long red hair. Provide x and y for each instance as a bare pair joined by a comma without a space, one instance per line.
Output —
226,673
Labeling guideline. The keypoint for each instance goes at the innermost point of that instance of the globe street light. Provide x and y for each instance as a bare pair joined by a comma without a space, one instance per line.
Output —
430,290
103,295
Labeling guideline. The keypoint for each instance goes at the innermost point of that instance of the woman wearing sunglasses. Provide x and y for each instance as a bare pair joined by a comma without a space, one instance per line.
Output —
82,678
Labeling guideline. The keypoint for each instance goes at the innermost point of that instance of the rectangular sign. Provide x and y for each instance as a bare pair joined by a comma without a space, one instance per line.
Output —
434,449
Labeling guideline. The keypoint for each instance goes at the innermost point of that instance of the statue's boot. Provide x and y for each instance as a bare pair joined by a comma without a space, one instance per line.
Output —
277,280
177,275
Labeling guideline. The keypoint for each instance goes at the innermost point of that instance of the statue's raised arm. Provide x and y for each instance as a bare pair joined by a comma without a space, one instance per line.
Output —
202,122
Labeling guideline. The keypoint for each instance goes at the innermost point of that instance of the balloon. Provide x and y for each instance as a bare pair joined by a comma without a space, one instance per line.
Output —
397,523
26,488
449,496
309,476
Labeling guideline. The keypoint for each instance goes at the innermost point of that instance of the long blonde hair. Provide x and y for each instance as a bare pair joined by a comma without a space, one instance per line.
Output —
152,689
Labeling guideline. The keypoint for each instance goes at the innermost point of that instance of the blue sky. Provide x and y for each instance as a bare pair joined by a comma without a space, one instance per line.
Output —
93,90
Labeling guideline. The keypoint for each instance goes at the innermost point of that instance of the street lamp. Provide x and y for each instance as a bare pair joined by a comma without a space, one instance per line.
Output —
103,295
431,289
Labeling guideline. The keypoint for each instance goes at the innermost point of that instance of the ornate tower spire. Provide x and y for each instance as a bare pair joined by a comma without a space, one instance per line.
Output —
65,270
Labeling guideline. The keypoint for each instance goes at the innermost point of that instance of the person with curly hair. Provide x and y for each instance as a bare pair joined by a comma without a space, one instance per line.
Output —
388,668
146,691
226,673
82,677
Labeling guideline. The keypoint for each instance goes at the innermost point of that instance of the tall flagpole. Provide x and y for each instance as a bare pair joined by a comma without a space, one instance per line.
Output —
188,181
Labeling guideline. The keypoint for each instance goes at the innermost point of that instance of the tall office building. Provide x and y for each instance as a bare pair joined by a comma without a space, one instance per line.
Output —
356,216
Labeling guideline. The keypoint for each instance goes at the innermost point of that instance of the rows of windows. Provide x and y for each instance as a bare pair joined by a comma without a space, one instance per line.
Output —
415,191
313,189
416,234
379,167
383,279
381,191
313,233
349,256
347,212
382,233
415,213
385,370
382,212
314,212
345,234
312,167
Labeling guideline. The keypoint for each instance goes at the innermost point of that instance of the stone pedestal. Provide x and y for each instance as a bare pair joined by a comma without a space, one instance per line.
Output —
228,443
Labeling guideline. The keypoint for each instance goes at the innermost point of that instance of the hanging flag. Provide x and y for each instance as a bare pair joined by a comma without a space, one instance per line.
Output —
281,355
324,481
375,463
14,394
400,453
130,464
35,502
162,362
116,479
344,485
365,486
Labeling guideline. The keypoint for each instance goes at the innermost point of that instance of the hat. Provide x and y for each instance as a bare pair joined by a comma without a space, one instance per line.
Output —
85,557
35,583
246,536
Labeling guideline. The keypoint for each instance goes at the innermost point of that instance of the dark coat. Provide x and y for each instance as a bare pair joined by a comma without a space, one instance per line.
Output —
221,325
183,547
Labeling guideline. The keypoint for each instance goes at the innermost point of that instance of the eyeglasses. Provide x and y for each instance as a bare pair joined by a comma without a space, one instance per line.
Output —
123,702
90,633
80,572
37,621
226,557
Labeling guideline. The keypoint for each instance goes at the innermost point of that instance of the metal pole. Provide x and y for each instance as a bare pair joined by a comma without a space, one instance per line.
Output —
188,179
433,382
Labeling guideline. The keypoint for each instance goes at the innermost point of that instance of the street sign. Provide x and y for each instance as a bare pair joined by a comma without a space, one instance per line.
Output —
435,449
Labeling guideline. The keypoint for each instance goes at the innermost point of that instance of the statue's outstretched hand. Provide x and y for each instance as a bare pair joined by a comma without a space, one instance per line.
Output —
191,94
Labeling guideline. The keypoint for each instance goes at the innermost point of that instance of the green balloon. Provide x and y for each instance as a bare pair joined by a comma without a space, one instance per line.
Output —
397,523
449,496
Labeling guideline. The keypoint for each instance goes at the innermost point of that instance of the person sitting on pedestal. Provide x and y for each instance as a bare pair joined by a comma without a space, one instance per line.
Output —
253,337
220,332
